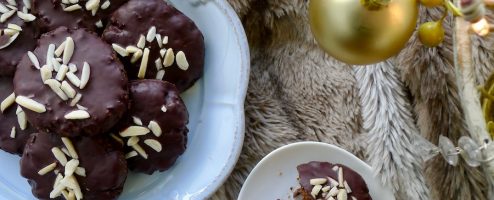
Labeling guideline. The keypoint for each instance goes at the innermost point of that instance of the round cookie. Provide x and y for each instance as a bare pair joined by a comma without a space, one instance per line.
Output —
54,13
102,168
13,45
12,136
58,108
136,19
159,117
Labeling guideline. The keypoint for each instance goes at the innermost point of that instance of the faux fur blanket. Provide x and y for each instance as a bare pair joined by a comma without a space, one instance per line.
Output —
298,93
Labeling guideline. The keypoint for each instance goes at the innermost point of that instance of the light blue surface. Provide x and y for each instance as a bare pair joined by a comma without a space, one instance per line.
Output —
216,125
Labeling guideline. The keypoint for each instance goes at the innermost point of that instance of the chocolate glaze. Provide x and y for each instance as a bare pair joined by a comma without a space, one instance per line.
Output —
106,95
137,17
51,15
316,169
105,165
147,98
8,119
26,41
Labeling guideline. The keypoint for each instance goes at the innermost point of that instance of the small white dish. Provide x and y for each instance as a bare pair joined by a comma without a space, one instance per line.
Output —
216,108
275,177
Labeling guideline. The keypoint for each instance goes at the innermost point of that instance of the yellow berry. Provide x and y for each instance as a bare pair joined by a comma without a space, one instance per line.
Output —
431,34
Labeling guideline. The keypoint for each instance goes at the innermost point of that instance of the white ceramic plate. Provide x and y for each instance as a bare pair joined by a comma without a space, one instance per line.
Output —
273,177
216,107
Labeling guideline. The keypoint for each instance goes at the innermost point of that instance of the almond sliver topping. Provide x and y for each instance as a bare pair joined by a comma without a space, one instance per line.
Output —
105,5
142,42
340,176
73,79
151,34
6,16
86,73
55,87
169,58
12,132
47,169
77,115
137,121
155,128
140,150
160,74
80,171
182,62
154,144
342,195
69,50
62,71
46,72
132,141
7,102
58,52
33,59
134,131
68,90
144,64
26,16
76,99
315,190
131,154
318,181
30,104
59,155
68,144
71,166
11,40
120,50
72,8
21,119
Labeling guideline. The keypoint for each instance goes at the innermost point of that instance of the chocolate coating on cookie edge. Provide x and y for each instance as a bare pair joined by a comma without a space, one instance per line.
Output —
137,17
105,165
106,95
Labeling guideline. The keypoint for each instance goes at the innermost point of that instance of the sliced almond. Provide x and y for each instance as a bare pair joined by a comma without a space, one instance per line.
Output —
59,51
55,87
347,187
68,90
326,188
315,191
71,166
30,104
160,75
33,59
27,17
136,56
7,102
154,144
5,16
72,67
163,108
165,40
47,169
14,27
137,121
59,155
340,176
11,40
92,4
159,64
151,34
12,132
132,141
80,171
144,64
131,154
46,72
10,32
77,115
86,73
56,64
318,181
81,107
21,119
155,128
142,42
12,2
69,50
134,131
140,150
182,62
169,58
333,192
3,8
57,191
342,195
76,99
105,5
72,8
99,24
163,52
57,180
68,144
120,50
49,55
62,72
73,79
159,39
132,49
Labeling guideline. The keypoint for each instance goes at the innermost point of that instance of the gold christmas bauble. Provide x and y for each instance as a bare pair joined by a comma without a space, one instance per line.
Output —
355,34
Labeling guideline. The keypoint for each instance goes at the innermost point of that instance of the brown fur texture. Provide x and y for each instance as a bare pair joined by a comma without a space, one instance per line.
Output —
298,93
